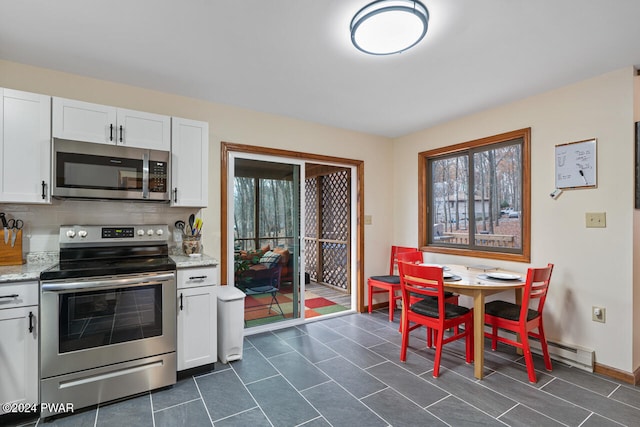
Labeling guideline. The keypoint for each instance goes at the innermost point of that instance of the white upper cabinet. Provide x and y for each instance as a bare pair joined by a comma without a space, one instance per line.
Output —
144,130
189,159
25,147
84,121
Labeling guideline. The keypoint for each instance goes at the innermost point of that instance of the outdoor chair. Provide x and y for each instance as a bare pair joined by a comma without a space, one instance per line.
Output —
262,281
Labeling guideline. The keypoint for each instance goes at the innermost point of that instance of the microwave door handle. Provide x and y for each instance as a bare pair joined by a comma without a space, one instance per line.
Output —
145,175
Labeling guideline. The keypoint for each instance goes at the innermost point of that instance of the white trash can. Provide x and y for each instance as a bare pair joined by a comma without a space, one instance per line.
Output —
230,323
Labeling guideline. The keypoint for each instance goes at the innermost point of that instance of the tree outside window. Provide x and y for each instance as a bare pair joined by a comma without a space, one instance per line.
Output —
475,198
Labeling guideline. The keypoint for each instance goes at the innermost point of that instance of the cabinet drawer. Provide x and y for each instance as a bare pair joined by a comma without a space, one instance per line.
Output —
193,277
18,294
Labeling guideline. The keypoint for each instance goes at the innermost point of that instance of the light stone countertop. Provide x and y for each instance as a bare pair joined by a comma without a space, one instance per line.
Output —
184,261
35,263
40,261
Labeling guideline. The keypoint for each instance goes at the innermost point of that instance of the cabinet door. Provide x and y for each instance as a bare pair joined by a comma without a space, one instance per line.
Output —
25,142
83,121
189,160
197,327
19,350
143,130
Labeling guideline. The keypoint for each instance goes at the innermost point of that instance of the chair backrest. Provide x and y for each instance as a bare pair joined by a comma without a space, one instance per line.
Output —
535,288
265,277
414,257
421,280
395,250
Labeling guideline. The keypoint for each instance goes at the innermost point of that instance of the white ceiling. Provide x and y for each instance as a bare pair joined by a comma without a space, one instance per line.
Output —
295,58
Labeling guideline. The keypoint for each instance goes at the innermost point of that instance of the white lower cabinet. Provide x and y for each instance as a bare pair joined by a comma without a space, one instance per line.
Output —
197,317
19,345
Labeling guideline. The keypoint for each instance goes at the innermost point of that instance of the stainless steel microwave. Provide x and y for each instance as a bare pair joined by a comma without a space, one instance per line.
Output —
102,171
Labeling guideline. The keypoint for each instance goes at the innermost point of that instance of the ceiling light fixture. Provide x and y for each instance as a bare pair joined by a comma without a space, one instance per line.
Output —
385,27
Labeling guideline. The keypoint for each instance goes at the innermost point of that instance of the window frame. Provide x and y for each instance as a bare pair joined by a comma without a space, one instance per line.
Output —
424,188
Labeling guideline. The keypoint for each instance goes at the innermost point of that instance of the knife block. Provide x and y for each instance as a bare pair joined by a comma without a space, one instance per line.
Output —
11,255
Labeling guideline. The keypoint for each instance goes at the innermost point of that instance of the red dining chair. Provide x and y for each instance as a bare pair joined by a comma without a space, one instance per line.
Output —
390,283
521,319
416,258
431,311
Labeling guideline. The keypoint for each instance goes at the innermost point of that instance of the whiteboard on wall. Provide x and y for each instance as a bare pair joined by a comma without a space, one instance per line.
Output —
576,165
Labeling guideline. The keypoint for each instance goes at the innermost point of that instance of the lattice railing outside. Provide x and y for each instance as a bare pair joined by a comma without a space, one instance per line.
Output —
334,230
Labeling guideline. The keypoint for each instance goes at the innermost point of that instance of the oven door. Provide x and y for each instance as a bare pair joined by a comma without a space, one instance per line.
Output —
95,322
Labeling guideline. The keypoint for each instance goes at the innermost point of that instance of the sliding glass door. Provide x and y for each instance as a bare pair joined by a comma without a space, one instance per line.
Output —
265,232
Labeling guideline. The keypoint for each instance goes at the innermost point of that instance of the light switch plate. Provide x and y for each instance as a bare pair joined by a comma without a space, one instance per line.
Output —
596,219
368,220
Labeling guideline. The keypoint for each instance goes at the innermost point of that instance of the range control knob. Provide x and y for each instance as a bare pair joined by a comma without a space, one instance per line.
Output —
141,232
149,232
71,234
159,232
82,233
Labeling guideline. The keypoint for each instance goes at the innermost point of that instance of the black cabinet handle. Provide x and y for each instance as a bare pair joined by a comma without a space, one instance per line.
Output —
120,133
197,277
44,190
181,306
175,195
30,321
10,296
111,132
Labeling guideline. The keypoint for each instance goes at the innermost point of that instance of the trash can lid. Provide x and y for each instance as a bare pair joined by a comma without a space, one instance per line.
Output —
229,293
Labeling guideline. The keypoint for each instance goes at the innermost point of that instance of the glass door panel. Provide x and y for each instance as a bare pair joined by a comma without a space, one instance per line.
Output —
266,239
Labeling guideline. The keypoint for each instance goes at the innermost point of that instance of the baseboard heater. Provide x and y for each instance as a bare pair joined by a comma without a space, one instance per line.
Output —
576,356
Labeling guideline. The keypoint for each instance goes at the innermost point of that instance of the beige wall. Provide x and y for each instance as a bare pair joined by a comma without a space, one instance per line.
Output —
592,266
226,123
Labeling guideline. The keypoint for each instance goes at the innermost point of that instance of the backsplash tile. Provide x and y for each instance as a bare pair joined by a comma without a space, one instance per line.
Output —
42,222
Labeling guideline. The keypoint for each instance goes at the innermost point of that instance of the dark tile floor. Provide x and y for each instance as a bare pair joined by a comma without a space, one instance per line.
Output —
345,371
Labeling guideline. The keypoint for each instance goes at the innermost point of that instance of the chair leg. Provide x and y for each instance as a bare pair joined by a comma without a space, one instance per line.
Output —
429,337
494,337
545,349
273,298
370,297
405,339
392,304
528,358
436,362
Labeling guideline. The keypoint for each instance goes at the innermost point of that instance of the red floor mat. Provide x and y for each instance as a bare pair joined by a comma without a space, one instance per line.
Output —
317,302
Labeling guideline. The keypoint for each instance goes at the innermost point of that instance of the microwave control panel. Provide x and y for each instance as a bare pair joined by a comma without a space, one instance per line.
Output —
158,175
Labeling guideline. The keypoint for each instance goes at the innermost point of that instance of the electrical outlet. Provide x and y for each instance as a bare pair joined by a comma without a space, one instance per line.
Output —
596,219
599,314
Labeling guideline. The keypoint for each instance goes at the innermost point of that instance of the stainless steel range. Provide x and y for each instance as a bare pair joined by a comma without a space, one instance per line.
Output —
108,315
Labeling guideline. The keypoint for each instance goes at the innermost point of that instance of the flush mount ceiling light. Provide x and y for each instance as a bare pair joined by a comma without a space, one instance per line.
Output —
385,27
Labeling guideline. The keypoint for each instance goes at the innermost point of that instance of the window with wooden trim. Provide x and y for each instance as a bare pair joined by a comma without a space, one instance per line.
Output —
475,198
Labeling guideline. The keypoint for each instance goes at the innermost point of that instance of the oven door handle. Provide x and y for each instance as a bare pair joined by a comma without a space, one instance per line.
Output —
109,283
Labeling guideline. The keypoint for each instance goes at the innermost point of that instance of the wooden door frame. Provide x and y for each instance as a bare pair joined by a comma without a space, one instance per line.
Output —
227,147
